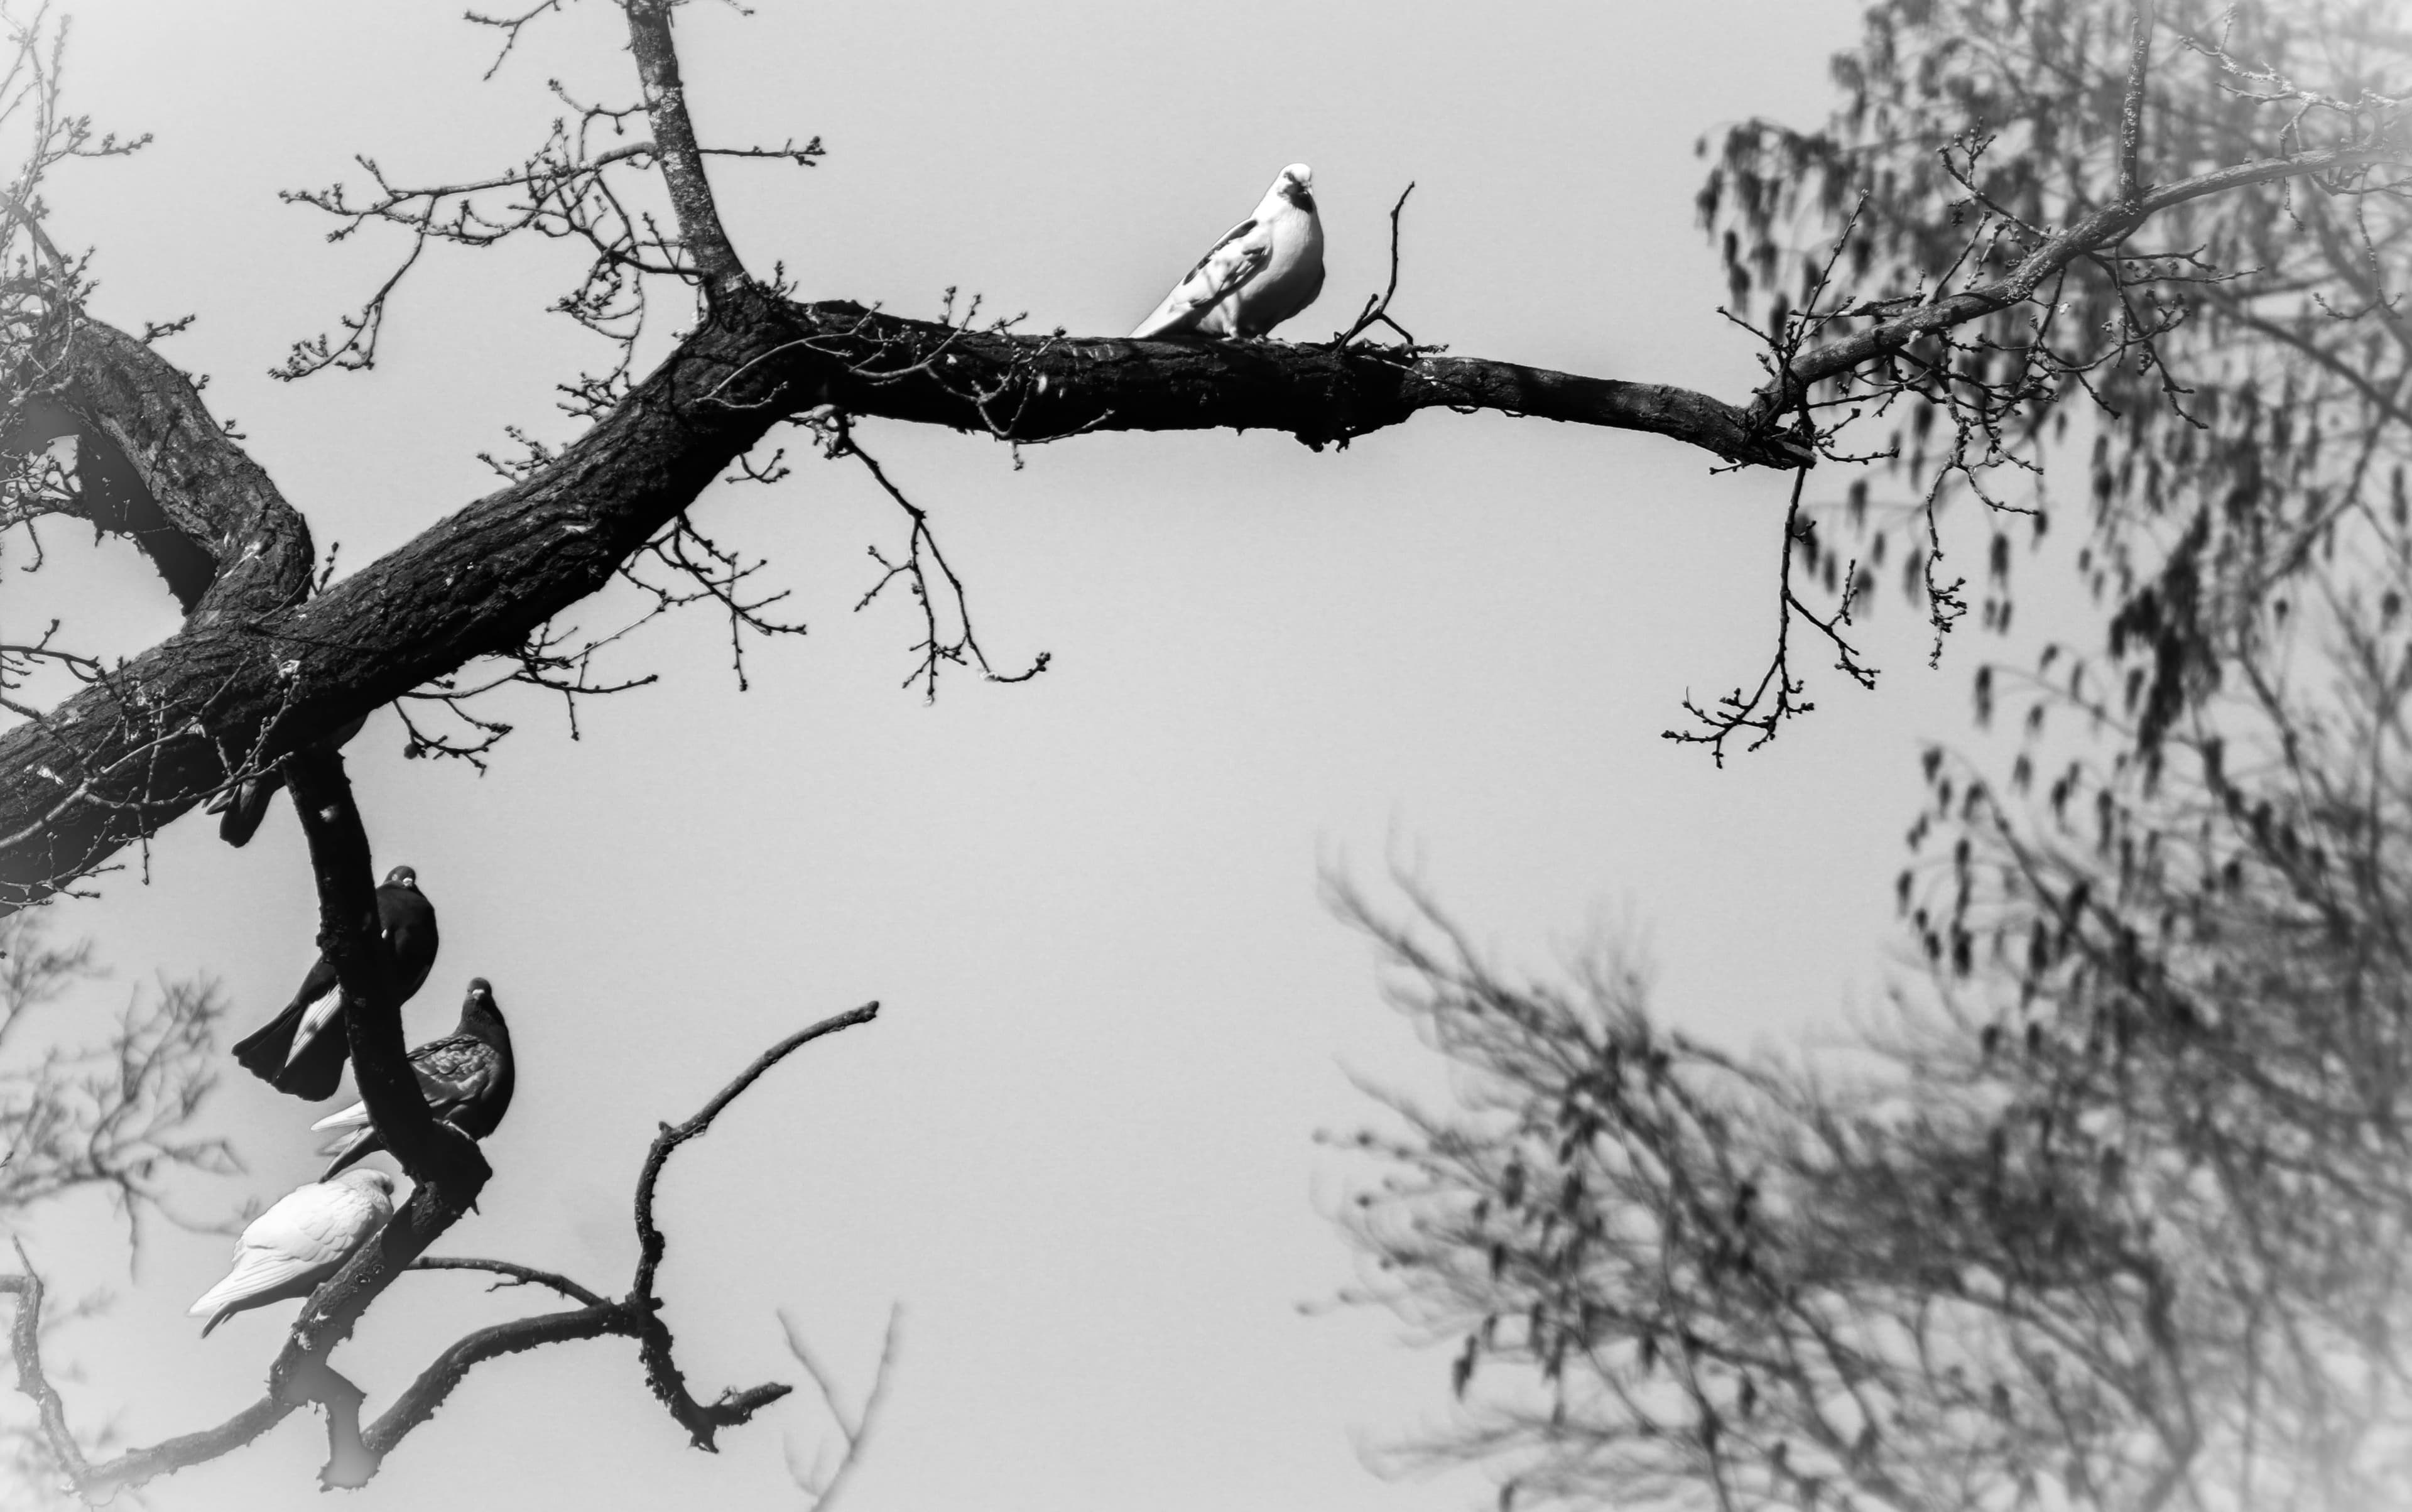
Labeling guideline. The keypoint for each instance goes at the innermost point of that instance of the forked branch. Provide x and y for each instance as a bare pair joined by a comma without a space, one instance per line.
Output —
128,755
301,1376
821,1488
1377,306
706,242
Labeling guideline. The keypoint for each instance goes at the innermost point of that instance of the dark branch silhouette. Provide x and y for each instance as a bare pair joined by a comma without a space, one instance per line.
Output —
450,1172
301,1376
258,673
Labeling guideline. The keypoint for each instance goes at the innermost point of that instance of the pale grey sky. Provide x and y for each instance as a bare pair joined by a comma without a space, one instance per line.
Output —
1078,1144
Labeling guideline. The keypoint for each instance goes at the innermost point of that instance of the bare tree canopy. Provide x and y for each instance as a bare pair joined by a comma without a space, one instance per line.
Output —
263,667
2056,1241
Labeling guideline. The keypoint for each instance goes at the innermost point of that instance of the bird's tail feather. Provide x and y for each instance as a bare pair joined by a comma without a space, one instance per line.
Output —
263,1052
253,1272
316,1068
242,809
348,1150
314,1020
351,1117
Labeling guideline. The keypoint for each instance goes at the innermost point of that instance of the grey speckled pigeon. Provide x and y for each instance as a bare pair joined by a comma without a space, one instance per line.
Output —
466,1076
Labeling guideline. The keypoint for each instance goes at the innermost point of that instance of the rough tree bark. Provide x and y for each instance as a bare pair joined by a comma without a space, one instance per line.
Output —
257,672
450,1172
260,670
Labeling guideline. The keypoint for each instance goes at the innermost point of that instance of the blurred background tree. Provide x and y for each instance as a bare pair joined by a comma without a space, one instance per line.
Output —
1972,1273
2111,1211
112,1116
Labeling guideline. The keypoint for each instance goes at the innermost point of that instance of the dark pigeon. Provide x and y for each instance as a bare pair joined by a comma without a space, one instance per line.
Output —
303,1050
466,1078
245,806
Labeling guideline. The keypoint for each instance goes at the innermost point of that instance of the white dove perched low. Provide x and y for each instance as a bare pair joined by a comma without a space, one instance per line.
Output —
1265,270
301,1241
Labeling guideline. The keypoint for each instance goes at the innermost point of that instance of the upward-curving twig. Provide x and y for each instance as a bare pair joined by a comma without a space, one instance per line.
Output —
301,1376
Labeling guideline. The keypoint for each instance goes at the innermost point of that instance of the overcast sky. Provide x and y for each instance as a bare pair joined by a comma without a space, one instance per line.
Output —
1078,1144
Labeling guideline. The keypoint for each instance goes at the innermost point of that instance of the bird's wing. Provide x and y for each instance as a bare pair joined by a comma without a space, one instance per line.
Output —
317,1222
449,1059
348,1118
449,1071
1290,279
440,1093
308,1229
444,1093
255,1271
313,1018
244,808
1228,265
409,922
466,1088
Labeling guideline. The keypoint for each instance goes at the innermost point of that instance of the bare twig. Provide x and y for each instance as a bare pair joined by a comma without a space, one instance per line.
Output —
854,1430
513,1274
936,648
2099,231
1776,698
510,26
1378,307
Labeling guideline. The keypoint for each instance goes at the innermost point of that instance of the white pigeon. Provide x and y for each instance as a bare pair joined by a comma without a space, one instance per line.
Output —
301,1241
1265,270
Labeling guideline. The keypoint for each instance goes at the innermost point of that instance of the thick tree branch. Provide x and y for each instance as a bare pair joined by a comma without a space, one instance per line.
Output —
155,466
236,689
446,1163
232,691
429,1150
419,1401
97,1482
151,464
1046,388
